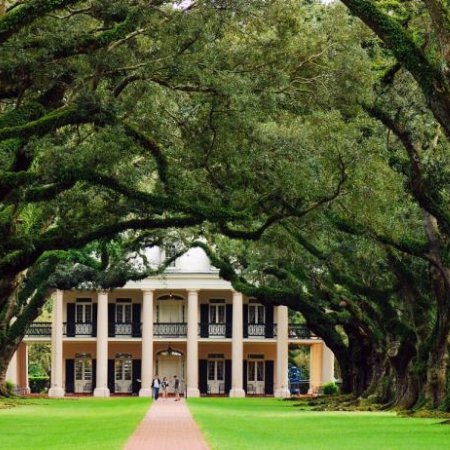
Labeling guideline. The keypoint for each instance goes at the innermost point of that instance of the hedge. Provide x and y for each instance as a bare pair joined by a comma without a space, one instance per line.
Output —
38,384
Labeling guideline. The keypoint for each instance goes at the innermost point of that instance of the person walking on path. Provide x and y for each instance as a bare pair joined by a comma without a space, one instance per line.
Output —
176,388
156,384
164,386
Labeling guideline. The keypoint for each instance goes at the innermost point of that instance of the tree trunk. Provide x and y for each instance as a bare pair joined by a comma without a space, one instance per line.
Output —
435,389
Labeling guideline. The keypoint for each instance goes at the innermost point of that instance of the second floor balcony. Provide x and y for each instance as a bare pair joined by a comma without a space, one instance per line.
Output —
170,330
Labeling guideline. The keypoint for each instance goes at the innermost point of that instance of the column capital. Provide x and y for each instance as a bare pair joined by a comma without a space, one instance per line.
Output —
102,292
193,291
147,291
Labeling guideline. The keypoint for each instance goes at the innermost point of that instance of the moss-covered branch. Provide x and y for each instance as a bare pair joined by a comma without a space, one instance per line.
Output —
427,74
26,13
83,112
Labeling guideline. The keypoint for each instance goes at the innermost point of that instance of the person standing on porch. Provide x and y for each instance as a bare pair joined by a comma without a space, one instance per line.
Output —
176,388
164,386
156,384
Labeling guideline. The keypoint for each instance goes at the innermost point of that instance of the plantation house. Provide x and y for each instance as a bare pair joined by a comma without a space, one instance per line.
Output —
188,323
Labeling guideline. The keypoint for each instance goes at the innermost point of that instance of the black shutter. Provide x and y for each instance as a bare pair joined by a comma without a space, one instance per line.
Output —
203,375
70,376
204,321
94,374
94,319
70,319
111,375
136,376
136,325
245,321
269,321
244,375
227,376
268,379
111,319
229,320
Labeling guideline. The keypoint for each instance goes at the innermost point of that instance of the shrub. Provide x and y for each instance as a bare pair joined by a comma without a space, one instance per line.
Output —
38,384
10,387
330,388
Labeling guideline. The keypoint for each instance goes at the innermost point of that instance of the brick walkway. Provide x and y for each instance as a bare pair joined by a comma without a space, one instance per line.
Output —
168,425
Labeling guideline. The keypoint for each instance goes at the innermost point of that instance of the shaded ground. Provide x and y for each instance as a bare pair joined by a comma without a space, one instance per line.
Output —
239,424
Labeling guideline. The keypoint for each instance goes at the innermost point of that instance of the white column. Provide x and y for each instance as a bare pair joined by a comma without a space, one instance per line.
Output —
147,344
282,387
315,367
327,365
11,373
192,345
56,383
101,389
237,347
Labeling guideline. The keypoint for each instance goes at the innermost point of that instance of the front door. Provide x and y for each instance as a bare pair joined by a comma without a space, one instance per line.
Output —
83,375
216,376
123,374
170,312
169,365
255,377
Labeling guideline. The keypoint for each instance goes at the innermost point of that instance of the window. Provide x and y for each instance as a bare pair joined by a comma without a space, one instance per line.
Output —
256,314
123,313
83,313
123,369
216,370
217,313
170,252
83,369
255,371
211,370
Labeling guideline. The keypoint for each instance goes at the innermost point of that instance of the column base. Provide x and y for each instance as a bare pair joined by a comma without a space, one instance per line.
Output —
282,393
146,392
56,392
192,392
237,393
101,392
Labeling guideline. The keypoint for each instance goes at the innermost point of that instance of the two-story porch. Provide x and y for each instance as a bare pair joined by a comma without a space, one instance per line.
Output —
193,326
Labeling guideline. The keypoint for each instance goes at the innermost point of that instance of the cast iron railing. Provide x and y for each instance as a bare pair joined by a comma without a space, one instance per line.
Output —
123,329
171,330
260,330
73,329
167,329
300,332
40,329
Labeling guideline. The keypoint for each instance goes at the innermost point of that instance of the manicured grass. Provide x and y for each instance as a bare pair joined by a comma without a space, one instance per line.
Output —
79,423
232,424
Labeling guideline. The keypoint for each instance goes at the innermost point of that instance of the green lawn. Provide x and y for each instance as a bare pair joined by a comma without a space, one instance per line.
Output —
83,423
259,424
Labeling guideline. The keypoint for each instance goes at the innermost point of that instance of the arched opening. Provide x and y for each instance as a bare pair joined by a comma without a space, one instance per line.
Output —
170,362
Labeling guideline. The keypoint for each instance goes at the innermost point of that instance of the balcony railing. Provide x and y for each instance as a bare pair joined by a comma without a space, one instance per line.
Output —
72,329
260,330
207,329
172,330
40,329
300,332
125,329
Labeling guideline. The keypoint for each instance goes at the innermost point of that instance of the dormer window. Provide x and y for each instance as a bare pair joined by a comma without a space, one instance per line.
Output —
170,252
